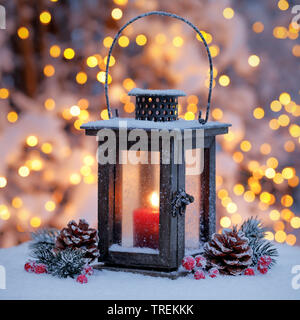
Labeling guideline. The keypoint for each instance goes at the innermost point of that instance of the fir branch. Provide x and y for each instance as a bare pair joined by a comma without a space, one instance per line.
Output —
261,247
253,229
45,235
67,263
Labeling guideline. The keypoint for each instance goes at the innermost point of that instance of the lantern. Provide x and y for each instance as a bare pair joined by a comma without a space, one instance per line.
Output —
156,180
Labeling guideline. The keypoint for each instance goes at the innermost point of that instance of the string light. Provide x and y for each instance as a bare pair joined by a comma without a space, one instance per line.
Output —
123,41
253,60
245,146
69,53
75,178
258,113
283,5
117,13
23,33
47,147
189,115
45,17
107,42
3,182
228,13
104,114
224,80
24,171
49,104
12,117
112,61
285,98
32,141
141,40
4,93
17,202
258,27
35,222
75,111
50,206
275,106
101,77
55,51
177,41
49,70
295,222
92,61
81,77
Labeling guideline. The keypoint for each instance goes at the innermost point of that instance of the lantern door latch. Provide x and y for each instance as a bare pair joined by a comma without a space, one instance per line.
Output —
180,200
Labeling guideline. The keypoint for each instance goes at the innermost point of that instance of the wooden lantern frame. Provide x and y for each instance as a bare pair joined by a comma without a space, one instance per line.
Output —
172,179
172,175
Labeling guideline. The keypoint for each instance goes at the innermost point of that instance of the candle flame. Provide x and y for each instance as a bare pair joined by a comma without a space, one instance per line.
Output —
154,199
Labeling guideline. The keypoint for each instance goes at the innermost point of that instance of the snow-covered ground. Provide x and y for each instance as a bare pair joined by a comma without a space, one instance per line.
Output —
277,284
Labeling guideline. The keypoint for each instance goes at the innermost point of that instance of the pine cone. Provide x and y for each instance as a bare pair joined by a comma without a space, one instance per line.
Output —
229,252
79,236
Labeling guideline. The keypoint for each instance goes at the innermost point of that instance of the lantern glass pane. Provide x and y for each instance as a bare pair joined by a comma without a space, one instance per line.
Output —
136,220
193,169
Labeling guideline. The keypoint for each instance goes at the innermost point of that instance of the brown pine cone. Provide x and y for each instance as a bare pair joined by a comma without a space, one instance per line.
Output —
79,236
229,252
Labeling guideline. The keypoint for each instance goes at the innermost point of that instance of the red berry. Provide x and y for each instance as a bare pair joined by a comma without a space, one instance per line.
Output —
189,263
265,261
40,268
213,272
88,270
262,269
199,274
82,278
200,261
249,272
29,266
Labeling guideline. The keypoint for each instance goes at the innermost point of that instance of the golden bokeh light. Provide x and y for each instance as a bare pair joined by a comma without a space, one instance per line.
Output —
224,80
228,13
258,27
225,222
141,40
258,113
45,17
32,141
12,117
117,13
35,222
23,33
3,182
81,77
55,51
69,53
253,60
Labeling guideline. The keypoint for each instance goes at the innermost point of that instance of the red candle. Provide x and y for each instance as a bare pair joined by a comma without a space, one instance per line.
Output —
146,227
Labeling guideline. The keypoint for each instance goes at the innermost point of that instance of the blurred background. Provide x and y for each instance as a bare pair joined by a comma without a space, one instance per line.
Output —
52,62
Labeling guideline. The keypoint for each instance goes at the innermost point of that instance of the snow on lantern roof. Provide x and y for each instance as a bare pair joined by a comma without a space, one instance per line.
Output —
211,128
148,92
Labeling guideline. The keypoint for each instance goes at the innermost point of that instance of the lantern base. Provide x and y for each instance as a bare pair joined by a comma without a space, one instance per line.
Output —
153,273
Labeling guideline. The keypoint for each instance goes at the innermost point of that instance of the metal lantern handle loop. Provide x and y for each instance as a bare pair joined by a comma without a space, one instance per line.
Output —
166,14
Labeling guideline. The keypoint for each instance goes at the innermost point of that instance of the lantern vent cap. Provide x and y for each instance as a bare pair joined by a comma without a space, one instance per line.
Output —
162,93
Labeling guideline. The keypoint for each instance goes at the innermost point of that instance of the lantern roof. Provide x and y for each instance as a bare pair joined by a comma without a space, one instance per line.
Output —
210,128
164,93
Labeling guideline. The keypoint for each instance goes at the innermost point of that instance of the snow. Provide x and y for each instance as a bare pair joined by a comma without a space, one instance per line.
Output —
144,124
105,284
118,248
147,92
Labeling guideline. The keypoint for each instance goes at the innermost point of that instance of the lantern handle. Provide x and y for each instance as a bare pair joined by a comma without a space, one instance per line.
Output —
166,14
